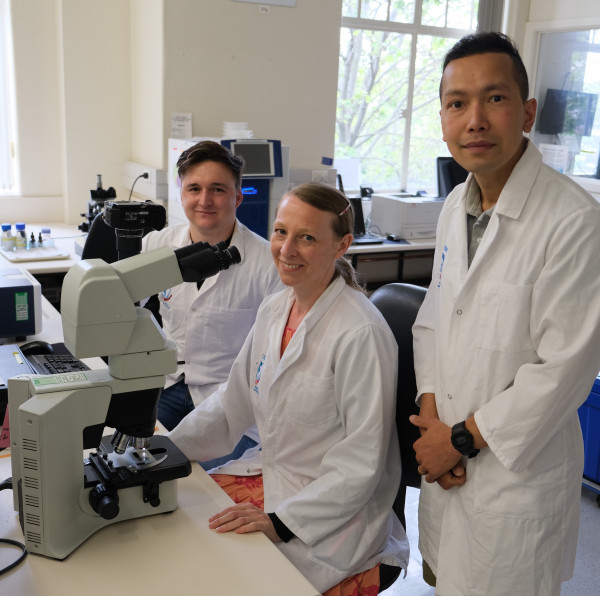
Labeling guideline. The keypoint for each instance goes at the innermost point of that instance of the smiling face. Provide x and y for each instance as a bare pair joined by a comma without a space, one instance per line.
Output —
305,247
210,198
484,117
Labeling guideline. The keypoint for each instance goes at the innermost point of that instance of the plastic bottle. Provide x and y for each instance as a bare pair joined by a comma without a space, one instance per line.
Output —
7,239
46,239
21,237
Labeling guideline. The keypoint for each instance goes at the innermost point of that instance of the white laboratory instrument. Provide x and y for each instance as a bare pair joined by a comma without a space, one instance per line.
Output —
62,497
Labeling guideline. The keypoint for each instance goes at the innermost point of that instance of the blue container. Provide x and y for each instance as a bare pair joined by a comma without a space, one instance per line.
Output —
589,416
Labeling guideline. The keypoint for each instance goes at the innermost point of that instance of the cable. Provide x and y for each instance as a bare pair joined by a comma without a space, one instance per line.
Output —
144,175
14,563
7,483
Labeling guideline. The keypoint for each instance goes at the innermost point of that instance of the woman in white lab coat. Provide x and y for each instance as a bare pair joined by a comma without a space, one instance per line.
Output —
318,376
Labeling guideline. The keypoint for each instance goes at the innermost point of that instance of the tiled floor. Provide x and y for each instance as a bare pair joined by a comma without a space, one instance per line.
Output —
585,582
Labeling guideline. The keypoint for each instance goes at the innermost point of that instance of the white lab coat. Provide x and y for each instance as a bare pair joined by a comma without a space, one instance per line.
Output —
209,325
325,413
515,339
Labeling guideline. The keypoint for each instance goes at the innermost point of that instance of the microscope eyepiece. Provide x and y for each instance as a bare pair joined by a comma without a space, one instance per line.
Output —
201,260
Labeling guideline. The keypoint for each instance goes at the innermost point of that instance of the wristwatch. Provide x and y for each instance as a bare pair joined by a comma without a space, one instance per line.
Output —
462,440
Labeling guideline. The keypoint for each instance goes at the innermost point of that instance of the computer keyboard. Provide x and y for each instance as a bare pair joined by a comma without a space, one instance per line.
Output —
54,364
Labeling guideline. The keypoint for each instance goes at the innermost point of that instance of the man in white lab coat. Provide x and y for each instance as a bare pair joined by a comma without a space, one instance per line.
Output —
507,343
210,321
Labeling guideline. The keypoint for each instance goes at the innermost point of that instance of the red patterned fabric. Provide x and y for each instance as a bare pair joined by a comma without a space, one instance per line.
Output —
249,489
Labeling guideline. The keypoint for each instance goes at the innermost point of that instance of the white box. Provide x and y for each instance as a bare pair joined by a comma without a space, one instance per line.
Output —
407,216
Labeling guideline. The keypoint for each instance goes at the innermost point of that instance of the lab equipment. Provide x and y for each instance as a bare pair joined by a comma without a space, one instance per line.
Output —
7,241
408,216
20,303
20,237
61,497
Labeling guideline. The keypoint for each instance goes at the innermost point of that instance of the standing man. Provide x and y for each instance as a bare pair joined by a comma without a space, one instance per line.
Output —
507,343
210,321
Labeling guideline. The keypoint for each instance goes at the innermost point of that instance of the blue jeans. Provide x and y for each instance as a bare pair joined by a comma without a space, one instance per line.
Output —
176,402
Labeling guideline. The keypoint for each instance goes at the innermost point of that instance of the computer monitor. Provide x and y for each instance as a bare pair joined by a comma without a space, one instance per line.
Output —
262,157
449,174
568,112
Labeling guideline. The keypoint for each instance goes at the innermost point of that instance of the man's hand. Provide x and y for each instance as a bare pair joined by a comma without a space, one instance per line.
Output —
244,518
457,476
435,453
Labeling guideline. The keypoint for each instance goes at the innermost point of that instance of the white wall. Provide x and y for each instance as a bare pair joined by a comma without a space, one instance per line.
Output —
97,82
549,10
226,61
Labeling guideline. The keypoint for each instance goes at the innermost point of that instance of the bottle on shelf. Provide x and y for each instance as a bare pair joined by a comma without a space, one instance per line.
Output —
7,240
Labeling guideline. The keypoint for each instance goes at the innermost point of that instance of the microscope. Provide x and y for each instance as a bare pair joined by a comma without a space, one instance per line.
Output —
69,481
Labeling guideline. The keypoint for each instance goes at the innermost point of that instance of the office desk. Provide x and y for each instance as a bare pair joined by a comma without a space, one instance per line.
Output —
174,553
393,261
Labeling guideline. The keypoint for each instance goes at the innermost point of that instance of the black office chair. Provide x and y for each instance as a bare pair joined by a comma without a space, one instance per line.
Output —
399,304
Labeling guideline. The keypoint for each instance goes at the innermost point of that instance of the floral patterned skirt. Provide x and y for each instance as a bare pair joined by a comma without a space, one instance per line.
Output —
249,489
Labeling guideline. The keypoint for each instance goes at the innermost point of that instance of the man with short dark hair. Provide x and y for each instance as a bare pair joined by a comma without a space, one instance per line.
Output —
507,343
210,321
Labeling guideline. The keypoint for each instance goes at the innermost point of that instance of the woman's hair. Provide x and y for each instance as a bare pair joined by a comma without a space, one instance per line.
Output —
327,198
211,151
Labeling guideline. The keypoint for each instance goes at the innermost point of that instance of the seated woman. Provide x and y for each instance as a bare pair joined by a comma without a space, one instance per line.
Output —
317,374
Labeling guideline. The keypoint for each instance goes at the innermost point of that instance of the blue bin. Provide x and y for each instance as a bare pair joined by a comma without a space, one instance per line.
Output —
589,416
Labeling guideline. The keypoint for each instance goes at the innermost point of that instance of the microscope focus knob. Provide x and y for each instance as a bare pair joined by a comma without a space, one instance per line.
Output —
104,501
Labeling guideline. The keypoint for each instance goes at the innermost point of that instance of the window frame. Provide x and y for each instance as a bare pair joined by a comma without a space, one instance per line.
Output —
8,116
415,30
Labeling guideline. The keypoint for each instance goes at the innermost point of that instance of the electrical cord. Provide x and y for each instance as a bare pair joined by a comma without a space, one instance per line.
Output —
7,483
21,557
144,175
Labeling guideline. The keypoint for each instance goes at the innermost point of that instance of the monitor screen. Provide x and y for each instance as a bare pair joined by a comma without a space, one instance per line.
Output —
262,158
568,112
449,174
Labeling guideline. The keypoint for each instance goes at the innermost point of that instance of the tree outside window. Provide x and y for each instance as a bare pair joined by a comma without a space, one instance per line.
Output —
391,52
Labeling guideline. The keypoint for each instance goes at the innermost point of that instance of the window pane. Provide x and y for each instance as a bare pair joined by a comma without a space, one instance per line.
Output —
372,87
402,11
567,126
350,8
426,133
459,14
374,9
434,13
462,14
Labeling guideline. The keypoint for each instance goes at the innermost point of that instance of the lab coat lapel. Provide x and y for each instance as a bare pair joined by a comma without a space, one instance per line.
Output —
295,348
510,205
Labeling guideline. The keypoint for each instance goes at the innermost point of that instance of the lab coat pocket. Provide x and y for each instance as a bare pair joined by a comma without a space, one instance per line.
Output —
533,493
505,311
315,402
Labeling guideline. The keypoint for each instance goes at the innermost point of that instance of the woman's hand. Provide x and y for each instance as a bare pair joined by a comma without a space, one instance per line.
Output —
243,519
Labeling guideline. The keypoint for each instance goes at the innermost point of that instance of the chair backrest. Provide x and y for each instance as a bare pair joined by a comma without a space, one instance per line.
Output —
399,304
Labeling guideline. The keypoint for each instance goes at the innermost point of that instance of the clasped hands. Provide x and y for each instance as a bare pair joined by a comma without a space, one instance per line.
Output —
438,460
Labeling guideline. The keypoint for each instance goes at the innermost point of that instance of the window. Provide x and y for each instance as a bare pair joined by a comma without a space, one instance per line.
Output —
7,114
567,87
387,121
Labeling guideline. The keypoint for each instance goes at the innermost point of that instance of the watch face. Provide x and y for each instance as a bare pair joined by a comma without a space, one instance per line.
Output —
462,439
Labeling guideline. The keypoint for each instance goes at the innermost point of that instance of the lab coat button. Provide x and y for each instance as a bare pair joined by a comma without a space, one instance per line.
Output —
459,312
449,396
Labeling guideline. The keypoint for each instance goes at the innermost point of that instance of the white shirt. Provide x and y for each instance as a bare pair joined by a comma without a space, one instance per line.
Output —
515,340
209,325
325,413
